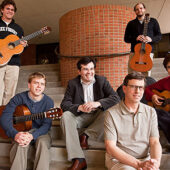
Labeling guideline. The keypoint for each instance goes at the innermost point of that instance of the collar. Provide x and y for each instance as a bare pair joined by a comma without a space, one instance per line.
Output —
92,82
35,101
125,110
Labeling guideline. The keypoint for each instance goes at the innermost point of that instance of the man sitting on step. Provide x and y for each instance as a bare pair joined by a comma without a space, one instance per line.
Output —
87,97
162,87
131,130
37,102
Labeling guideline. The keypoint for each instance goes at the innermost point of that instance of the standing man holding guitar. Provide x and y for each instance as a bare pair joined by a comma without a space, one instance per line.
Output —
161,87
36,101
134,34
9,73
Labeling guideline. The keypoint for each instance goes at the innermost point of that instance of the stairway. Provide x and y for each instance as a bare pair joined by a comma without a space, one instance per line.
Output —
158,71
96,152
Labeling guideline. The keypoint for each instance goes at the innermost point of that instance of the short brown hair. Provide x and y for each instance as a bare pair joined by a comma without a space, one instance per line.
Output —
36,75
134,75
138,4
85,61
8,2
166,60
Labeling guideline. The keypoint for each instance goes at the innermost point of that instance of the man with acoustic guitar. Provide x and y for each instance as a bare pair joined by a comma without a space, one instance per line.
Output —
9,72
146,32
36,101
159,94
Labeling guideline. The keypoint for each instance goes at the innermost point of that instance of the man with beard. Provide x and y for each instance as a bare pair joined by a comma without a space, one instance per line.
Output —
134,31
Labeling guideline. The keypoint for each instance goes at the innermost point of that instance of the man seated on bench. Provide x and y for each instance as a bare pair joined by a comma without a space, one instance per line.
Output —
37,102
86,97
131,130
159,98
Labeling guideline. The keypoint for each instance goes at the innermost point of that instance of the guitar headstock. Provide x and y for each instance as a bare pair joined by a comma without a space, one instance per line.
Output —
54,113
46,30
147,18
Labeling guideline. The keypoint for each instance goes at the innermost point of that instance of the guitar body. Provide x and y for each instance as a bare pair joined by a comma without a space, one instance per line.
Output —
141,60
11,45
22,118
164,94
19,111
8,49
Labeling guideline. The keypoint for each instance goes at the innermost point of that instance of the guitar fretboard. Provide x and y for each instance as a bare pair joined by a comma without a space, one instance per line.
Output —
29,117
28,37
145,29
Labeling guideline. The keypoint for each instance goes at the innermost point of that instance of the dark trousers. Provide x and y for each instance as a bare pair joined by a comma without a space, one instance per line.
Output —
164,122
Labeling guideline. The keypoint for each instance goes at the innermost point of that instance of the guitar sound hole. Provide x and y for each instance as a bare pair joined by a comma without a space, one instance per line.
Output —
11,46
1,55
140,63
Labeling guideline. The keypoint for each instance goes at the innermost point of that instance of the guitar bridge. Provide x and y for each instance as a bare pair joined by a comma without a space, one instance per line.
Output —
140,63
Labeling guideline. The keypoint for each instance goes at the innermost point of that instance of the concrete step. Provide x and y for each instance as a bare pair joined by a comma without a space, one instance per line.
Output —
94,158
27,67
49,84
48,91
158,71
54,165
50,78
47,73
158,60
60,166
57,98
57,154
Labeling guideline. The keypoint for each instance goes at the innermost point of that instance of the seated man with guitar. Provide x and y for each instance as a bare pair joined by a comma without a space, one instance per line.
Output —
142,33
159,94
9,72
37,102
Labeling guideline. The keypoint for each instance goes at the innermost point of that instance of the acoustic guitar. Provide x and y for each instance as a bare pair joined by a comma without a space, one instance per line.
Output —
166,102
141,60
11,44
22,118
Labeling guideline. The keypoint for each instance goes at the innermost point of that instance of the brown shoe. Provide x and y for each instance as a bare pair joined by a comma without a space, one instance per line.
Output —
78,165
84,142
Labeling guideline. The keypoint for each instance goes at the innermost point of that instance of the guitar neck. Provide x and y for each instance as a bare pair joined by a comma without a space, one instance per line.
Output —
28,37
145,34
29,117
145,29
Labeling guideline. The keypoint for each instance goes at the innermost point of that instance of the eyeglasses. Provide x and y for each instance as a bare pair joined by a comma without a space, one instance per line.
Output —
134,87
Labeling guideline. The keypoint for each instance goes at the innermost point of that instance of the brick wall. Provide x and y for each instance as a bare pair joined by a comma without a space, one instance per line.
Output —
95,31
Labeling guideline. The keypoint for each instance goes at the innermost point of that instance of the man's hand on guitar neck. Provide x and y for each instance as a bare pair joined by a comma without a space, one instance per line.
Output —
23,138
24,43
144,39
157,100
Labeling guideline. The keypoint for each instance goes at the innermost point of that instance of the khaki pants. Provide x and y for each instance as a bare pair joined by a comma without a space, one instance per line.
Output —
148,73
8,82
18,154
93,124
113,164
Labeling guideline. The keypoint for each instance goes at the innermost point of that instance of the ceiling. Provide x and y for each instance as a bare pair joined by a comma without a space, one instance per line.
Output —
35,14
